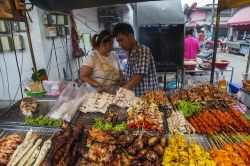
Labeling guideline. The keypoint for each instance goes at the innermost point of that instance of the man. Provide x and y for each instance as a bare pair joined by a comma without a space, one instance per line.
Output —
141,71
191,46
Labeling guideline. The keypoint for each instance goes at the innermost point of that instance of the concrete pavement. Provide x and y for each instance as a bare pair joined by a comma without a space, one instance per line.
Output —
238,62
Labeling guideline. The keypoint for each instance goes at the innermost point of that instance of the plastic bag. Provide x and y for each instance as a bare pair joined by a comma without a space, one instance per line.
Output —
53,88
68,103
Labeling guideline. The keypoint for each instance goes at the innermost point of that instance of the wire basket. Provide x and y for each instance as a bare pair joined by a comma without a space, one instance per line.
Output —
246,85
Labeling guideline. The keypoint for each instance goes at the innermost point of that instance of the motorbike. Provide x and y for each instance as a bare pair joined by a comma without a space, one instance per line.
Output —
210,43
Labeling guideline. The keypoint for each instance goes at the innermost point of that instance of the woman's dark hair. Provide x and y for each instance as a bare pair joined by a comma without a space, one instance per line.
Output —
104,36
123,28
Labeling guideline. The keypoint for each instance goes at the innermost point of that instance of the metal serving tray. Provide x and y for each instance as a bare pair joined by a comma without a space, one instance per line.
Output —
89,118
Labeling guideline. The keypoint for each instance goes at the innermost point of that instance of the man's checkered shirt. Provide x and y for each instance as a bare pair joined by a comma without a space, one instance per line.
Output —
141,61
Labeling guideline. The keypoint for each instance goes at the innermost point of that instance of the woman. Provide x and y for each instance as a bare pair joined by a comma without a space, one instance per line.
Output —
101,70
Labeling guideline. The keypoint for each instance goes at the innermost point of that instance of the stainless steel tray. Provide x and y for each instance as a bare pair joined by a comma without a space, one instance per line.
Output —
89,118
13,115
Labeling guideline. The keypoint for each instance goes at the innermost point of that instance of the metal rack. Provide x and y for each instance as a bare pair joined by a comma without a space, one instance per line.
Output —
45,132
13,116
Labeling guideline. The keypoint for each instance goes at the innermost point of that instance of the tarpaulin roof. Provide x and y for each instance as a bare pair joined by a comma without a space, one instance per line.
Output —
192,24
198,15
62,5
241,17
160,12
228,4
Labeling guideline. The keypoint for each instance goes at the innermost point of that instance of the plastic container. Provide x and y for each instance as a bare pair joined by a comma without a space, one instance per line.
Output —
34,94
222,65
189,65
235,87
222,84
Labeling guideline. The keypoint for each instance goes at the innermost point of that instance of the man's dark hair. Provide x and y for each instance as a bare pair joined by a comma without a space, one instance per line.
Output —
123,28
189,32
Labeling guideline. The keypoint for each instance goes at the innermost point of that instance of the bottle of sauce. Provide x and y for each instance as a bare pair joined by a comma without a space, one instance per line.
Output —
222,84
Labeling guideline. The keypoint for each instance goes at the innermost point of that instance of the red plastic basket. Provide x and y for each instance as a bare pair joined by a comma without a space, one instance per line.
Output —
222,65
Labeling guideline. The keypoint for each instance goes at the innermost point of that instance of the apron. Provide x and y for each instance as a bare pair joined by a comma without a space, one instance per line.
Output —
109,69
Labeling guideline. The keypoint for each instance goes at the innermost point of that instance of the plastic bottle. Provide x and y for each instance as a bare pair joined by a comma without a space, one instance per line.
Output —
222,84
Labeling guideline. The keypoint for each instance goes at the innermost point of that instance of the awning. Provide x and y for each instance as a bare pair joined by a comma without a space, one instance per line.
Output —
198,15
192,24
62,5
195,23
241,18
160,12
228,4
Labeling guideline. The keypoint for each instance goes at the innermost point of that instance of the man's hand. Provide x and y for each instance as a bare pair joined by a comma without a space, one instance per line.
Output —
136,79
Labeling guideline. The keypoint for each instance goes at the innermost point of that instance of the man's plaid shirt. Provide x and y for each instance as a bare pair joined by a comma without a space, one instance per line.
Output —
141,61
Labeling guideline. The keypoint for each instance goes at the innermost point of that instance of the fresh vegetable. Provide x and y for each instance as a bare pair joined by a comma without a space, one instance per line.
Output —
247,117
120,127
188,108
108,125
43,121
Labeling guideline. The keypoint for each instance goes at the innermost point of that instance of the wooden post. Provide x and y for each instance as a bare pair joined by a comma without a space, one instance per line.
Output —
215,41
30,46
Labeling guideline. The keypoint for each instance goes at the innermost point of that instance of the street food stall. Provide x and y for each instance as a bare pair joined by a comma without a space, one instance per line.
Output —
198,126
239,25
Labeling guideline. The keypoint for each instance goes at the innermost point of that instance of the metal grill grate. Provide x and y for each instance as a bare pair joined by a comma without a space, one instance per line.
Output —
13,115
44,132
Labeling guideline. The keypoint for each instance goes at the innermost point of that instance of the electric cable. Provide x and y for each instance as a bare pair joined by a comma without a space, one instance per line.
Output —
49,62
7,77
19,73
65,44
13,100
56,58
67,50
3,85
84,23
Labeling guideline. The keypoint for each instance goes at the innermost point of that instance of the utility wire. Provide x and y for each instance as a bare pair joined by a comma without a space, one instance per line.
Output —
49,62
84,23
53,41
6,71
19,73
3,84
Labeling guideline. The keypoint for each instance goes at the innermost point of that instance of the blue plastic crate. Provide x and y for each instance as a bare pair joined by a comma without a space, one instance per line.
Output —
235,87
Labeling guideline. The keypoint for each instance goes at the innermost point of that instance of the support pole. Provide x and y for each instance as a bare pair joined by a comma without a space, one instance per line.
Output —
212,21
30,46
247,67
215,42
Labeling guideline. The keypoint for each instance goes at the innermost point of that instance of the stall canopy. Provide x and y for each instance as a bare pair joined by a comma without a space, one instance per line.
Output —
160,12
62,5
241,19
228,4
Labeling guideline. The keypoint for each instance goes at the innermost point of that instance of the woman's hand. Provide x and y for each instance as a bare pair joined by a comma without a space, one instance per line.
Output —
100,89
122,79
122,82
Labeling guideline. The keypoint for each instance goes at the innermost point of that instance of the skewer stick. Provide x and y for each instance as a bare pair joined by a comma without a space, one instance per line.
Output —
2,133
221,140
215,140
228,138
212,143
208,143
51,137
240,136
237,140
